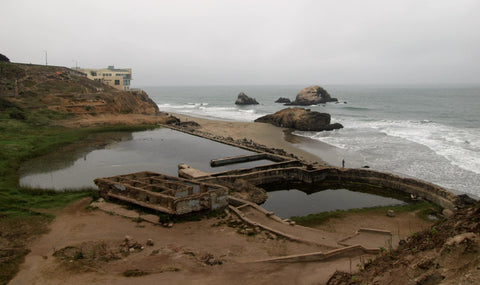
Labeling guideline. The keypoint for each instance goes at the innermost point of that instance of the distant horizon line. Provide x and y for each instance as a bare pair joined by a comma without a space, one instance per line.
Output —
418,85
411,85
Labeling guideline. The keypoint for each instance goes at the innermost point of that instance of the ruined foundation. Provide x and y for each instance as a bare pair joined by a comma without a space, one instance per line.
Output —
288,168
277,174
200,190
163,193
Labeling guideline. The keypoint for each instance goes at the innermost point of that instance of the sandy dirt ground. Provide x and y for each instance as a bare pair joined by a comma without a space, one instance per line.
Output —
179,255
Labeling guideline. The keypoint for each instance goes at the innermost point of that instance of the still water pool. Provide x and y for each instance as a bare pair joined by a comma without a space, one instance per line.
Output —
302,199
159,150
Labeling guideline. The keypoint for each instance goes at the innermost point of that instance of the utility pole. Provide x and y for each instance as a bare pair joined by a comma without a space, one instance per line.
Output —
46,62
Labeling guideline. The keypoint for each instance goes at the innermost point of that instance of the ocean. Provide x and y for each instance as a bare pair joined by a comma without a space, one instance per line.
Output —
425,132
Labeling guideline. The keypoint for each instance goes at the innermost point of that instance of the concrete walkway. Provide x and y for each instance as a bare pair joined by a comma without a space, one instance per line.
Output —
368,239
292,231
258,216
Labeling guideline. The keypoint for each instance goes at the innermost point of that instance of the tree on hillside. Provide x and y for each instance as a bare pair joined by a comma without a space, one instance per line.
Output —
4,58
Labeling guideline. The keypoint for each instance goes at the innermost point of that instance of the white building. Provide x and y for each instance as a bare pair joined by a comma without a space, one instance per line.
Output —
118,78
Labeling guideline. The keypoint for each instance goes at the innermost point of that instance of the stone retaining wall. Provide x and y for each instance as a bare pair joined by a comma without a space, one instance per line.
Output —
418,188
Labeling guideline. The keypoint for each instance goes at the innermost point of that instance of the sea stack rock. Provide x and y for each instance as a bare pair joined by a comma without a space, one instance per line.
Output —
283,100
312,95
300,119
243,99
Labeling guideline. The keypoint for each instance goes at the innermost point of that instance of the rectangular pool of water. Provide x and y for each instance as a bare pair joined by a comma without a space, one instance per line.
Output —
159,150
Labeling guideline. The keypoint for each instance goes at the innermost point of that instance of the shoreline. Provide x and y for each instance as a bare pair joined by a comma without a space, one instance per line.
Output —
262,133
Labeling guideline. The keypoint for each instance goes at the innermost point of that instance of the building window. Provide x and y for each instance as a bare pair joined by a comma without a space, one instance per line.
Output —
117,82
93,73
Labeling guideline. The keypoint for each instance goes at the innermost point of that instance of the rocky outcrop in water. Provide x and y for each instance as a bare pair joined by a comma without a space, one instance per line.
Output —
312,95
243,99
300,119
283,100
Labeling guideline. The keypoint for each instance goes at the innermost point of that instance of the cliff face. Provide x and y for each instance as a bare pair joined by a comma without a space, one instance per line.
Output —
300,119
36,87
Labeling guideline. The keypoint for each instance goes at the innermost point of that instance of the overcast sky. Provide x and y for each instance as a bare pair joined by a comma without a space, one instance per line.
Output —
211,42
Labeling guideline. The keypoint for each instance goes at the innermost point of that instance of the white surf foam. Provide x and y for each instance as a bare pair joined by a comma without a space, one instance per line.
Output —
204,110
461,147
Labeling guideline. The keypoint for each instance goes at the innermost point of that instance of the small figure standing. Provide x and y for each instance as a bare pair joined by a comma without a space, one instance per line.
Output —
343,163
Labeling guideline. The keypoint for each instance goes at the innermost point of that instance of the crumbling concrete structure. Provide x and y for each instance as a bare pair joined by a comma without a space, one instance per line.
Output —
163,193
287,172
247,158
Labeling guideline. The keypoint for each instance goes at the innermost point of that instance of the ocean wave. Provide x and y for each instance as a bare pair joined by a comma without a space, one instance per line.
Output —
179,107
356,108
204,110
460,146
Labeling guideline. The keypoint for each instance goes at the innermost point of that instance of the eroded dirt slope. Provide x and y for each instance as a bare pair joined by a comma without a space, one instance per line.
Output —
446,253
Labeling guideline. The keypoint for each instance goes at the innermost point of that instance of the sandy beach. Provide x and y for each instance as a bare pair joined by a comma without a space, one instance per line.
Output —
265,134
305,148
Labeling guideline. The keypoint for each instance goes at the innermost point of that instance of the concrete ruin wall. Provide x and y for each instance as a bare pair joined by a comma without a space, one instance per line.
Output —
294,170
163,193
428,191
247,158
